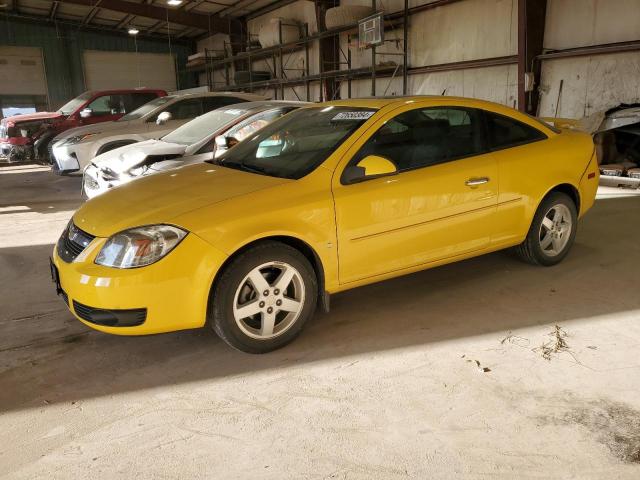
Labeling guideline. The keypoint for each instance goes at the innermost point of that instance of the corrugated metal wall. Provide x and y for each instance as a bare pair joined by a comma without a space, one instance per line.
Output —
596,82
63,49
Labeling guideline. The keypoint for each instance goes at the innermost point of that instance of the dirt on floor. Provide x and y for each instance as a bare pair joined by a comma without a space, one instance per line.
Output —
488,368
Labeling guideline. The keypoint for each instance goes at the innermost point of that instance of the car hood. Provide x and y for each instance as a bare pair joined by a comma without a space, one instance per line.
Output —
163,197
130,156
104,127
30,117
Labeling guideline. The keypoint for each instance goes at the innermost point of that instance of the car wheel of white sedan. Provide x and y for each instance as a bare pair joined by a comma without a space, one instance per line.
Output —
552,231
263,298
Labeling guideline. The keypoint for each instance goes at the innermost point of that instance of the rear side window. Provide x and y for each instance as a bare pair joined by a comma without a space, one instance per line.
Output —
211,103
106,105
423,137
186,109
135,100
505,132
254,123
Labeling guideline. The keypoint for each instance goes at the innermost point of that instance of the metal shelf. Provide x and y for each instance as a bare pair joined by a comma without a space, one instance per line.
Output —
276,55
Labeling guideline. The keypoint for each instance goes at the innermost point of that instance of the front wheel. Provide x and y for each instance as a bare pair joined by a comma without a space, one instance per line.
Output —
263,298
552,231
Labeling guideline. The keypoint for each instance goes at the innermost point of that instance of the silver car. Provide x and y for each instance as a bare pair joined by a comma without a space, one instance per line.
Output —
203,138
74,149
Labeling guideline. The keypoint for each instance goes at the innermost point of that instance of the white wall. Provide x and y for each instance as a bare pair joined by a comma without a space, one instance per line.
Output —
578,23
217,44
22,71
105,70
591,83
467,30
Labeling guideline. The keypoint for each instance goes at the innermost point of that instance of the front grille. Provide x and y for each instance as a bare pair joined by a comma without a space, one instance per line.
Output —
72,243
111,318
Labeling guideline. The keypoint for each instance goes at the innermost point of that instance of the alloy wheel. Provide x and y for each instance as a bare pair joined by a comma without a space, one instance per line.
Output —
555,230
269,300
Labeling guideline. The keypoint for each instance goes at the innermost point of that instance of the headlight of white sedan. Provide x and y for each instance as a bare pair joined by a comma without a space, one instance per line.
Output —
139,246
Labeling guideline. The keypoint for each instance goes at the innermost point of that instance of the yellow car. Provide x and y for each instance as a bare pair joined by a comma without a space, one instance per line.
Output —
328,198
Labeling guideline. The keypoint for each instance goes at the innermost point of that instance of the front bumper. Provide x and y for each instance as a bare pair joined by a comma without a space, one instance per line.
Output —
15,153
173,292
63,158
94,183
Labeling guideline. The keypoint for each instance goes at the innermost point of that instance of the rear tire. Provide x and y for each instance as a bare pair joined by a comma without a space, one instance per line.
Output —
552,231
263,298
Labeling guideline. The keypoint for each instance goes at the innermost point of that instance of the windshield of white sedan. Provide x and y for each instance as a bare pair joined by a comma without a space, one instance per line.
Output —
296,144
146,108
201,127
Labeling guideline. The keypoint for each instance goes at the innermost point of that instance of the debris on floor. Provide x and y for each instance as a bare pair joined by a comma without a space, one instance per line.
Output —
557,343
480,368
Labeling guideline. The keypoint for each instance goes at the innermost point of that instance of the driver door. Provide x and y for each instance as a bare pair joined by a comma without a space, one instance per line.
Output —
441,202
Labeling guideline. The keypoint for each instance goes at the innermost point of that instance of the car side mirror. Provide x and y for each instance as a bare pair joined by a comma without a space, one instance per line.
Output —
225,143
163,118
86,113
371,166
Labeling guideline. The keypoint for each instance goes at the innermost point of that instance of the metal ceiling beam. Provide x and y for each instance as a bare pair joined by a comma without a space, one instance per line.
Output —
179,17
127,19
92,13
46,20
53,10
156,27
269,8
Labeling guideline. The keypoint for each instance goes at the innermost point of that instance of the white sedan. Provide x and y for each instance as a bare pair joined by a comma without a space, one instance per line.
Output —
203,138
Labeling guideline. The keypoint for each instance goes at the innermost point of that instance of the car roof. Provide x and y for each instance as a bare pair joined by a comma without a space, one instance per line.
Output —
266,104
217,94
380,102
125,90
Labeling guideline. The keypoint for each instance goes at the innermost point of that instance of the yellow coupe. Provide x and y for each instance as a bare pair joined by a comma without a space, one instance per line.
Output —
328,198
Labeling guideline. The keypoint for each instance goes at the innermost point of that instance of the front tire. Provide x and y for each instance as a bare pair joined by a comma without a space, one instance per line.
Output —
552,231
263,298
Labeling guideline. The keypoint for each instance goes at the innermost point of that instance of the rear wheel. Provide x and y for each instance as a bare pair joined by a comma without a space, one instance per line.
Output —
263,298
552,231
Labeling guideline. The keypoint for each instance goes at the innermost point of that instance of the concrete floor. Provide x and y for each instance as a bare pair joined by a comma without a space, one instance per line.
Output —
386,386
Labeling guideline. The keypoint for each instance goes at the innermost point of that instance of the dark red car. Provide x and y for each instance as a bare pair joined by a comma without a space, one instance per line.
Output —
26,137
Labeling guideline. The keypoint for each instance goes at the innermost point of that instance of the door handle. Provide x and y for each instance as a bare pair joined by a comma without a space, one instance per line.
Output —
474,182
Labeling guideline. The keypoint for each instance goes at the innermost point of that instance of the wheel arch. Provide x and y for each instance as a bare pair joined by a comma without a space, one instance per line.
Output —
303,247
568,189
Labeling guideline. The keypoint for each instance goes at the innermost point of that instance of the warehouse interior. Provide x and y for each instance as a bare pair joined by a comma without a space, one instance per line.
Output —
482,368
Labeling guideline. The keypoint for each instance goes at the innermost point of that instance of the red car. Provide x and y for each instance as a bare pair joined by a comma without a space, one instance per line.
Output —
26,137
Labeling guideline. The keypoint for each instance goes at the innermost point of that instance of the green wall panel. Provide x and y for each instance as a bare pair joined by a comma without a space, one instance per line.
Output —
63,46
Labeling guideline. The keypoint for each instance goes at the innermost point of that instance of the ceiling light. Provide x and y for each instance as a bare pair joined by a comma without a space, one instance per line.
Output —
174,3
133,31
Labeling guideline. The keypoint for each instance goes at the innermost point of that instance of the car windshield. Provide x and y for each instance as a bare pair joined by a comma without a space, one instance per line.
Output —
144,109
293,146
72,105
201,127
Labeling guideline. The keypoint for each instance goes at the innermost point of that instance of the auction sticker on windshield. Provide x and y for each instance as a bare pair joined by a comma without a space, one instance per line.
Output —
362,115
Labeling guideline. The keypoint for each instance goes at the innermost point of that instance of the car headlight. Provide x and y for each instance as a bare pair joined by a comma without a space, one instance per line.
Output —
139,246
78,138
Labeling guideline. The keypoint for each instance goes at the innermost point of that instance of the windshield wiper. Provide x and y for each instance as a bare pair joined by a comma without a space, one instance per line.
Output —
245,167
